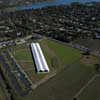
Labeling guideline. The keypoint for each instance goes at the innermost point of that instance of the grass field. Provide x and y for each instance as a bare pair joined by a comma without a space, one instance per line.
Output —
72,73
92,92
65,84
66,54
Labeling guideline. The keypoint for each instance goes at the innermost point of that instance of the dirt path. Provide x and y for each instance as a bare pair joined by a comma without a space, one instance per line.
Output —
46,78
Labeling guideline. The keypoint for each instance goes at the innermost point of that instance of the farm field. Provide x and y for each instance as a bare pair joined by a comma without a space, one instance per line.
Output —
72,71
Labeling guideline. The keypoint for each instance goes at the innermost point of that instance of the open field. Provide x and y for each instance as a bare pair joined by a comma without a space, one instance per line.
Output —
66,54
72,72
92,91
65,84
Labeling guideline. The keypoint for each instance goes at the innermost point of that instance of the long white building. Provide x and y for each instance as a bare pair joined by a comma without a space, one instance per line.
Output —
40,61
46,68
36,58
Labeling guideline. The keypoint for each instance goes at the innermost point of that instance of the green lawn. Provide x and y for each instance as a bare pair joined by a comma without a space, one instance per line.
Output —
59,54
66,54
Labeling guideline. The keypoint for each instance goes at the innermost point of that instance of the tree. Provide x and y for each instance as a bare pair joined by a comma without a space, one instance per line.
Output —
97,67
55,62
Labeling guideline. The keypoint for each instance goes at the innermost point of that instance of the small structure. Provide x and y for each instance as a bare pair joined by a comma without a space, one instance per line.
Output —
97,36
40,61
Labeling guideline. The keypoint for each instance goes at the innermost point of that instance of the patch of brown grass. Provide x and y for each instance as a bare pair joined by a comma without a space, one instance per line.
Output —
89,60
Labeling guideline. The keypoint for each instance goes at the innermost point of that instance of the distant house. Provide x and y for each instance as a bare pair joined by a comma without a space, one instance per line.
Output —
97,36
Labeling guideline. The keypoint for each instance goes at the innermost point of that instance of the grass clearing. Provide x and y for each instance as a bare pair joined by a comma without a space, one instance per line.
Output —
66,54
